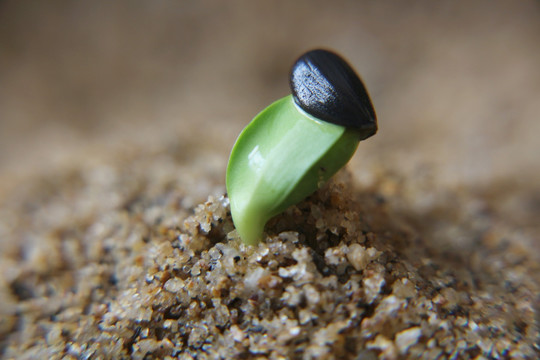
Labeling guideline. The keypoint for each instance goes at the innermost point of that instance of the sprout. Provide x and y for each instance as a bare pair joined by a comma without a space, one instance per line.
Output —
297,143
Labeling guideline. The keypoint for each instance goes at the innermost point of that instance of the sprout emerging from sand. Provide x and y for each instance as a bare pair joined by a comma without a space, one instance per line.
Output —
296,144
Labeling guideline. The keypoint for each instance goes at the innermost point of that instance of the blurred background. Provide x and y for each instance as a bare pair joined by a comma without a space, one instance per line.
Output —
456,84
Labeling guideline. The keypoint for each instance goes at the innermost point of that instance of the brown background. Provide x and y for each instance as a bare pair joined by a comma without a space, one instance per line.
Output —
456,85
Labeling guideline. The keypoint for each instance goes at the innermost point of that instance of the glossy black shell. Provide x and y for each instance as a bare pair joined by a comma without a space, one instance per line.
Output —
324,85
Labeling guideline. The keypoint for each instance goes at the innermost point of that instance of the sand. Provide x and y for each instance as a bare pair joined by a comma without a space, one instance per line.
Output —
113,262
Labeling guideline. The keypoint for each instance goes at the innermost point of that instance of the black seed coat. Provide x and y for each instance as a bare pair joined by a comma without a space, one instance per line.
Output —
324,85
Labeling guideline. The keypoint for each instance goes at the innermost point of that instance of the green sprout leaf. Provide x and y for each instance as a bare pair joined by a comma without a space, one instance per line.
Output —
296,144
280,158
